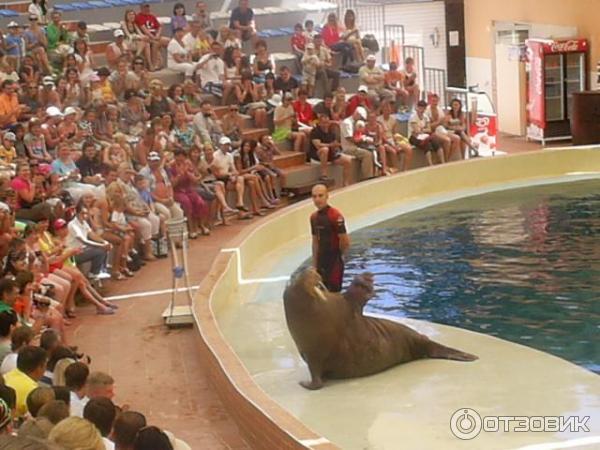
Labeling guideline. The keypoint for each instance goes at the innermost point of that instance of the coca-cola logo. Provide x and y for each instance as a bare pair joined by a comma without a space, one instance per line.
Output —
564,46
539,81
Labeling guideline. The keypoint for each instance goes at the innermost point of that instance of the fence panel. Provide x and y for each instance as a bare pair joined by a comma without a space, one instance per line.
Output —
434,81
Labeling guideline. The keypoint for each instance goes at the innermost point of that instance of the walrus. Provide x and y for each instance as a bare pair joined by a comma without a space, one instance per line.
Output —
337,341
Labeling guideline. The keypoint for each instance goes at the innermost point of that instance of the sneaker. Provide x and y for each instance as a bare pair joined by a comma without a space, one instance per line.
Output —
101,276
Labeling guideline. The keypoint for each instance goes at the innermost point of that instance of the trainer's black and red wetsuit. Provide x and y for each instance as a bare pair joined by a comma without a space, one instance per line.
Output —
326,225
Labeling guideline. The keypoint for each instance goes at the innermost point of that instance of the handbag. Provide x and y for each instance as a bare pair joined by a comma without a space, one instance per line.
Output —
370,41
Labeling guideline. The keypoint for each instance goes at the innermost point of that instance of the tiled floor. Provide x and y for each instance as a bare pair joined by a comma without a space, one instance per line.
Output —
159,371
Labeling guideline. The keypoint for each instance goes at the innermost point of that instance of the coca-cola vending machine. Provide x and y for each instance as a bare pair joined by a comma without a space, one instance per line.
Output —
556,68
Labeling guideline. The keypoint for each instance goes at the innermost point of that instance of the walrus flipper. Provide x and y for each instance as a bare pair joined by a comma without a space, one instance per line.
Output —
436,350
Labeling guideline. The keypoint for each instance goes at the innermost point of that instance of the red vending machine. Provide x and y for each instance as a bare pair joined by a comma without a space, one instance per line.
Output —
557,68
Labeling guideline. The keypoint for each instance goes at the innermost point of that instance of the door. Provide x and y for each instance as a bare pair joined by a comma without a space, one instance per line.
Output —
554,87
574,79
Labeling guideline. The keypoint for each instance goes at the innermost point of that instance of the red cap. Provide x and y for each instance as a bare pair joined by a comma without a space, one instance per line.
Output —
59,223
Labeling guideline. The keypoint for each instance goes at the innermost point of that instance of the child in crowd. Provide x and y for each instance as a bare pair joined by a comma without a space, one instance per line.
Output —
122,229
14,45
298,41
8,153
362,138
310,61
309,30
143,187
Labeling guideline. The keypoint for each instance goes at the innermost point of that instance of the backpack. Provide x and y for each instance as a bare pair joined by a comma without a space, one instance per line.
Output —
369,41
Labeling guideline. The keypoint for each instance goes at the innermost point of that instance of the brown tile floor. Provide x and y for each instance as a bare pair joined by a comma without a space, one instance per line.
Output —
158,371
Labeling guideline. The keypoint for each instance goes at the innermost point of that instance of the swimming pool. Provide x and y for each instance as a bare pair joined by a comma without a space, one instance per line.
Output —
522,265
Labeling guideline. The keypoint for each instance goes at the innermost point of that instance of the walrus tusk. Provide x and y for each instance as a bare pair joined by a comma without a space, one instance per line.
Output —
319,292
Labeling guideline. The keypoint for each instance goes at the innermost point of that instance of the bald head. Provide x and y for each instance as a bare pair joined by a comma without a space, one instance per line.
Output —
320,195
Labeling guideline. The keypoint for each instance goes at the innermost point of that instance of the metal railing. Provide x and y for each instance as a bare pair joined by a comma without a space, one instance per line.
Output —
434,81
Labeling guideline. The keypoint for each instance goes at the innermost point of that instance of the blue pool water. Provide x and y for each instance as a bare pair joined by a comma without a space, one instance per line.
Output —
522,265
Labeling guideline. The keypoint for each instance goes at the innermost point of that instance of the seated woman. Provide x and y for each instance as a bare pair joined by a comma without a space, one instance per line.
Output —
263,62
248,164
333,40
27,206
351,35
249,97
184,182
232,76
61,263
136,40
35,310
102,223
183,135
456,121
209,188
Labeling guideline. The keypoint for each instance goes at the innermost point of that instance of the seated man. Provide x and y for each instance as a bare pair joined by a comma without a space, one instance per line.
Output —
361,98
373,78
211,69
325,70
58,39
70,176
223,168
94,249
242,21
179,58
394,82
325,148
410,82
350,148
285,82
10,109
437,118
31,364
420,133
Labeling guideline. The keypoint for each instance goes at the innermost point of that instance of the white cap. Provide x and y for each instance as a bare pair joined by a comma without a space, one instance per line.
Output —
53,111
48,80
224,140
9,135
363,88
275,100
69,110
362,112
12,24
118,32
371,58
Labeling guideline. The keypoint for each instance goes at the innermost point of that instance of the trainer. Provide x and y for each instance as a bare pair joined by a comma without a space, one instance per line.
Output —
330,241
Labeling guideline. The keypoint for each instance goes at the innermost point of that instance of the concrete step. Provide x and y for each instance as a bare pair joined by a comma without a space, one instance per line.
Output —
289,159
254,133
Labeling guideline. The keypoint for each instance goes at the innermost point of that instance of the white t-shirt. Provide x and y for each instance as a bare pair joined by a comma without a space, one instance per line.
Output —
440,111
211,72
77,405
417,125
78,234
189,42
223,162
346,131
174,48
8,363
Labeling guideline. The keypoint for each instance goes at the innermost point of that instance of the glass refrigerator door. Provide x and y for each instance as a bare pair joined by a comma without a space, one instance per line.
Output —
553,89
575,80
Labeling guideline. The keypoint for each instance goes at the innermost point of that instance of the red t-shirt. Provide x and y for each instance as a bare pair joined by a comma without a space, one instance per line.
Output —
298,41
148,20
18,184
354,102
330,35
304,112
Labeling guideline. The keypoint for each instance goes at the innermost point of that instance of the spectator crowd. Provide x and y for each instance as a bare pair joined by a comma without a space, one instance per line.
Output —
95,159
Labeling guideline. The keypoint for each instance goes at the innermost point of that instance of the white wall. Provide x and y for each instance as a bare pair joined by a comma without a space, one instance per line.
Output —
419,21
479,71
